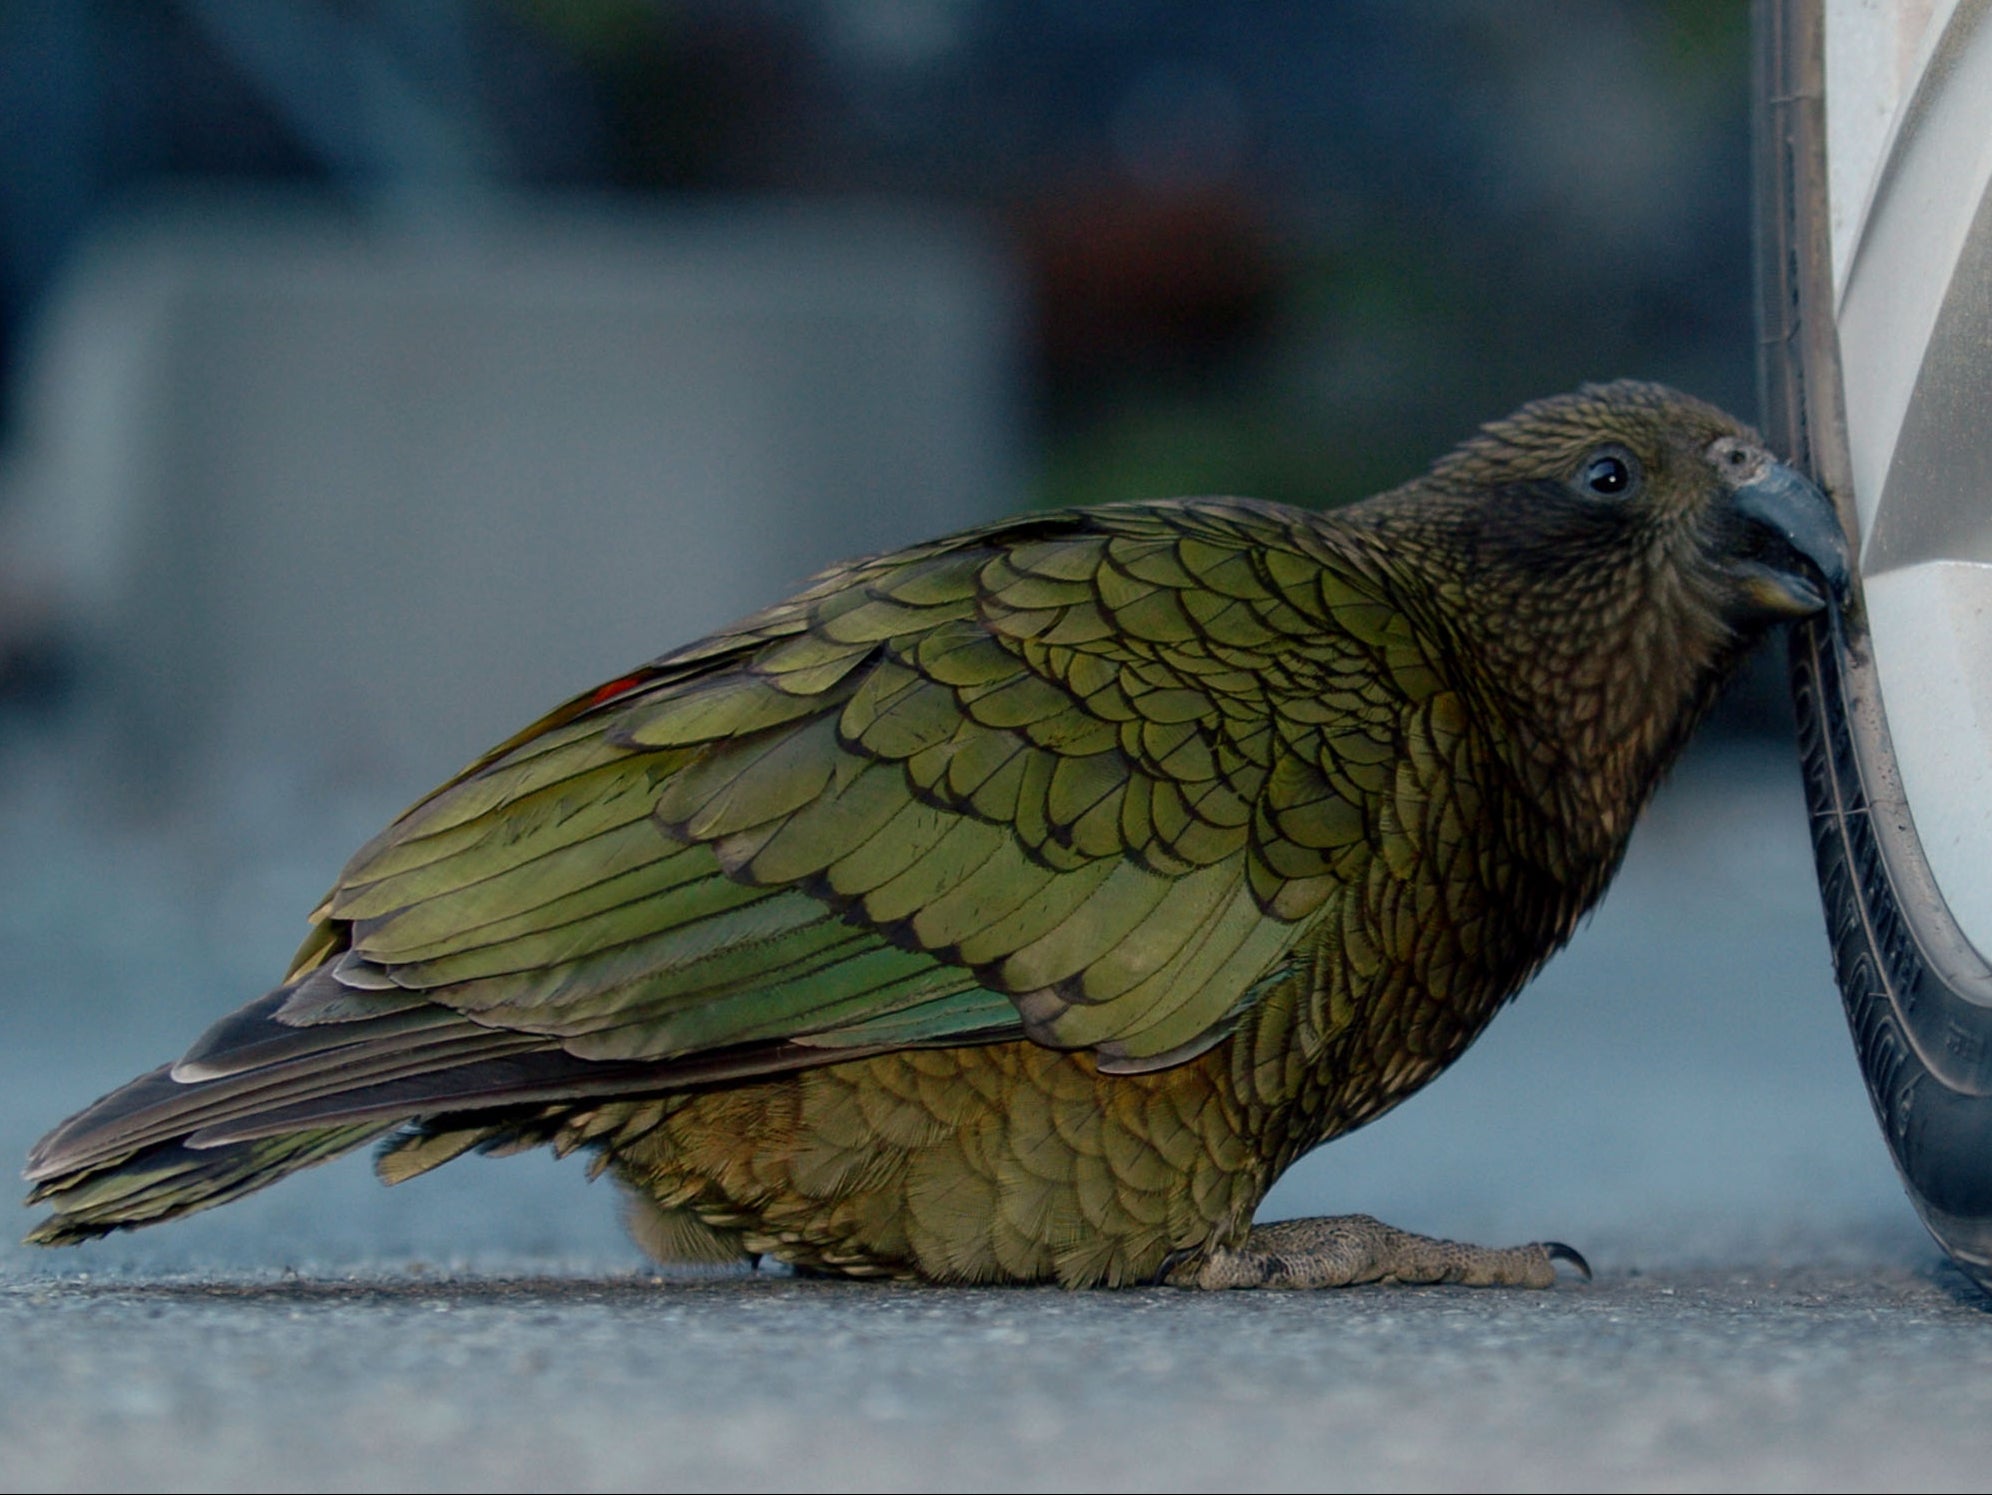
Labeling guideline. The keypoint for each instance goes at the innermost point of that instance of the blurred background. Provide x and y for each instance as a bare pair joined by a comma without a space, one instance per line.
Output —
378,373
362,346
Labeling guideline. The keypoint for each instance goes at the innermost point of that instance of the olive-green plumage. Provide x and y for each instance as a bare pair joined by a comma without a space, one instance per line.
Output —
1019,905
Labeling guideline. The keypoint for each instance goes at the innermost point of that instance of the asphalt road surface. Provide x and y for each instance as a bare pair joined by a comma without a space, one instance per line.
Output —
1676,1096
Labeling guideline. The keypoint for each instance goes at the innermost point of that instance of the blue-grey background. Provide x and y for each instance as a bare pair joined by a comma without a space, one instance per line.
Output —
378,373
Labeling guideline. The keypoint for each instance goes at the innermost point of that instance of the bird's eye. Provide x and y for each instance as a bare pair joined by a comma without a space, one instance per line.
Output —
1609,474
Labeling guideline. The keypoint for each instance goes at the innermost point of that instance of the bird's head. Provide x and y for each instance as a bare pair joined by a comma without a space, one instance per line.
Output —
1638,482
1608,557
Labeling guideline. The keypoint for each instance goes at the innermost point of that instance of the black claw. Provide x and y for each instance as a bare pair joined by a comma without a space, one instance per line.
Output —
1557,1251
1169,1264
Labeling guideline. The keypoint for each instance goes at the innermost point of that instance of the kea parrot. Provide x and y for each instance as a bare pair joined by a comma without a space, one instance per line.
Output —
1016,907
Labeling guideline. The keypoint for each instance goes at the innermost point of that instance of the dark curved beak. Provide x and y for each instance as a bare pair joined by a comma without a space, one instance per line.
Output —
1801,558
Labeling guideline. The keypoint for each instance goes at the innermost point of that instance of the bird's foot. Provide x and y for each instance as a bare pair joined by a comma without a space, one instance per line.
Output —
1343,1250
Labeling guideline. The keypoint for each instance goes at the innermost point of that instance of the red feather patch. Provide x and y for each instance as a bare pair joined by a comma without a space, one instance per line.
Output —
619,687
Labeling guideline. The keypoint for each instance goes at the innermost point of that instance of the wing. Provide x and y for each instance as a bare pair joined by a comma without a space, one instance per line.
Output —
1084,777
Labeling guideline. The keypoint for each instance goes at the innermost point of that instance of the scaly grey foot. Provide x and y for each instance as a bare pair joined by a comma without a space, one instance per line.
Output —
1343,1250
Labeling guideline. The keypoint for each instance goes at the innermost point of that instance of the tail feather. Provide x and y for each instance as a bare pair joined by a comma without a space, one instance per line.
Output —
305,1024
534,1076
172,1180
260,1097
160,1107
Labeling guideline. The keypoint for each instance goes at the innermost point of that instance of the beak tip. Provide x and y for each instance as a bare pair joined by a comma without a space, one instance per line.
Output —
1785,501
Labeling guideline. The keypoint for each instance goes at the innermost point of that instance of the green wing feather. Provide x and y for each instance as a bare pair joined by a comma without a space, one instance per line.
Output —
1085,777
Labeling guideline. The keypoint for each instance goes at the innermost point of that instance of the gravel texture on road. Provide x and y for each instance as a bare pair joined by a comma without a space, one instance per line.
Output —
1815,1378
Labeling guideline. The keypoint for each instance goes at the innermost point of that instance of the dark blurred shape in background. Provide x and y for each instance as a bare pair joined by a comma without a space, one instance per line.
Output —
1287,249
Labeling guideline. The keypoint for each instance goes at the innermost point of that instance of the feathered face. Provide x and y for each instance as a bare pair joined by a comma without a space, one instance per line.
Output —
1608,557
1636,482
